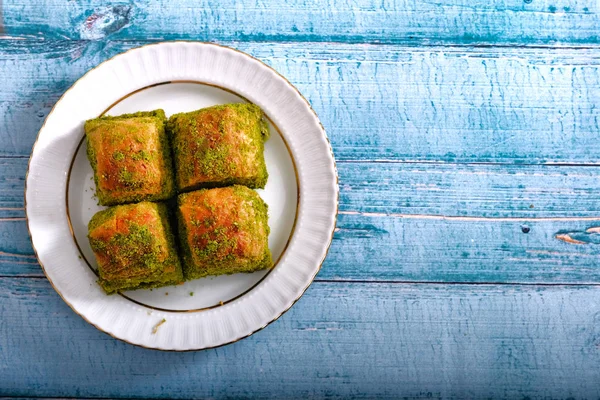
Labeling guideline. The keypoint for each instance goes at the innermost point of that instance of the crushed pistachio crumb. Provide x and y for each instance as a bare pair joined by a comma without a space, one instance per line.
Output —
155,329
118,156
125,176
191,293
141,155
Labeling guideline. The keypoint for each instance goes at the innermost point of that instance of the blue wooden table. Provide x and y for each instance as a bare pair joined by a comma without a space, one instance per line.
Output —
466,261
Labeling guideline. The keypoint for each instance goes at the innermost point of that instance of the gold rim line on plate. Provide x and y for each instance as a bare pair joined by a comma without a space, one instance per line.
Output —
336,199
222,303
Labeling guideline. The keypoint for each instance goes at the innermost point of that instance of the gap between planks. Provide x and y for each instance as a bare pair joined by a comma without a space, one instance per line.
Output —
83,398
463,218
441,162
408,43
431,217
398,282
76,398
440,283
434,162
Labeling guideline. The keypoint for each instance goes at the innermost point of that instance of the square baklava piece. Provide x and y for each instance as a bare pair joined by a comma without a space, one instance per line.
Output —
134,247
223,231
131,158
219,146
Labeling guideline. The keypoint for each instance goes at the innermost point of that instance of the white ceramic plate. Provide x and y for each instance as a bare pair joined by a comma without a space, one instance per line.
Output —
302,195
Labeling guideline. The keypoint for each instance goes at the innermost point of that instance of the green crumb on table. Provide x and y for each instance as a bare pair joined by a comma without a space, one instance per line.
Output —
79,256
155,329
219,146
223,231
191,293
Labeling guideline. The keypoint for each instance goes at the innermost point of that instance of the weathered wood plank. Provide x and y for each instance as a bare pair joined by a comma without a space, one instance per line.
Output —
447,21
421,248
507,105
16,254
373,247
338,341
476,190
12,181
392,225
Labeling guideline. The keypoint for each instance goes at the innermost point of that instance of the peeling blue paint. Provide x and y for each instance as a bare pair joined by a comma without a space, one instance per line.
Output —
443,116
589,236
104,22
442,22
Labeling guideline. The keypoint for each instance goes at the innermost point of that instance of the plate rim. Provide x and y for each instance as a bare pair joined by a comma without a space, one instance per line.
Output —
336,193
275,261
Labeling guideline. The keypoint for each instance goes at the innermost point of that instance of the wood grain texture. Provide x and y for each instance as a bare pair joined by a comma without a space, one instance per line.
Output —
473,190
16,254
419,249
12,182
394,103
388,21
443,116
340,340
423,222
443,249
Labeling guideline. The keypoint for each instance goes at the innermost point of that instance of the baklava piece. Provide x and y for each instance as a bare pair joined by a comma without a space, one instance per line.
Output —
134,247
223,231
219,146
131,158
